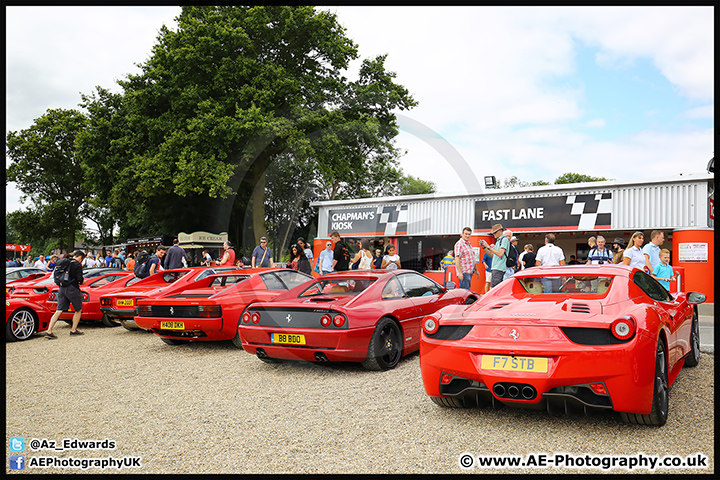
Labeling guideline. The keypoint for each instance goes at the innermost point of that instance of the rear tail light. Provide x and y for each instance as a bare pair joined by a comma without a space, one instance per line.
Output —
246,317
445,378
145,311
104,302
255,317
51,297
325,320
431,324
339,320
209,311
86,297
623,328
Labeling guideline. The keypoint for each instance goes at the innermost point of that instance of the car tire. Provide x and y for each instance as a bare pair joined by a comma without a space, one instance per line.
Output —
385,348
449,402
108,322
661,393
693,357
128,327
236,340
21,325
173,341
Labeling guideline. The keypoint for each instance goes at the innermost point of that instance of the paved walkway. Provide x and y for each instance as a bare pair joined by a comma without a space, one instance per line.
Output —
706,317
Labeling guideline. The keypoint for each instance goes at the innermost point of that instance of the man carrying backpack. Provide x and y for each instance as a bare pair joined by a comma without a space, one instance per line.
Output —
512,255
68,274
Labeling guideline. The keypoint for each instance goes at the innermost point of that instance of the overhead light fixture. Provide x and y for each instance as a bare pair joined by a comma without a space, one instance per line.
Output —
490,182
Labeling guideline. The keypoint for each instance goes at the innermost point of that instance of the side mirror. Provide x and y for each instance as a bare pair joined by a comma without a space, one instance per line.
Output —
695,298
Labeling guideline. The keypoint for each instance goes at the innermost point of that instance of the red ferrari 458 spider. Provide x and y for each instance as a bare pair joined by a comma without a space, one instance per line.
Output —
34,288
565,338
210,308
122,305
371,317
23,318
92,290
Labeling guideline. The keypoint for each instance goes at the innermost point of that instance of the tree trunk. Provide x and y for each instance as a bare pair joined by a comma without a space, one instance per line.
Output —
258,197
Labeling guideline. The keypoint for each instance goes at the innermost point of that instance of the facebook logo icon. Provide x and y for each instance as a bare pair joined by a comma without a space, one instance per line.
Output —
17,462
17,444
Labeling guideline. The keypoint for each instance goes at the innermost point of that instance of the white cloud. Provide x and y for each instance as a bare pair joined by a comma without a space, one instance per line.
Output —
705,112
497,83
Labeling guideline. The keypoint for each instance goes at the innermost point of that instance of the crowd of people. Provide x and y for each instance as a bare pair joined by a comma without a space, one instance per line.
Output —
502,258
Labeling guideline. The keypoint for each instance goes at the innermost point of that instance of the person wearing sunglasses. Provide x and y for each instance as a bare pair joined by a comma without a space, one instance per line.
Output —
261,256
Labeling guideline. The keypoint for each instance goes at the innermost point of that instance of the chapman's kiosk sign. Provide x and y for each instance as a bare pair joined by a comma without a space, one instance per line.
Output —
387,220
563,213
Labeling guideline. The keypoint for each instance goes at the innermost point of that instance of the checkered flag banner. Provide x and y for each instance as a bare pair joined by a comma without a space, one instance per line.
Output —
593,209
394,218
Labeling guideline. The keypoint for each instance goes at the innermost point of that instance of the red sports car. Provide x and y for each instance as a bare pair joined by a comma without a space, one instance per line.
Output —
23,318
564,338
122,305
34,288
210,308
371,317
92,290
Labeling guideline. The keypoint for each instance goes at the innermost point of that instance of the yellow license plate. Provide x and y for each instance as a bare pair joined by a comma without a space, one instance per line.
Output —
514,364
172,325
287,338
129,302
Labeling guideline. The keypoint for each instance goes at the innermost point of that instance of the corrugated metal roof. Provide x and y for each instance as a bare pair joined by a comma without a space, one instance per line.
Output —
676,202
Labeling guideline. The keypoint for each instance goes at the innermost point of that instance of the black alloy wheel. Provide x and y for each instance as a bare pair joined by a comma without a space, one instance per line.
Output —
693,357
385,346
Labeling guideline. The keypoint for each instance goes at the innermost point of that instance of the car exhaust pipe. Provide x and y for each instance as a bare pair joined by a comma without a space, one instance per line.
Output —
261,353
320,357
499,390
528,392
513,391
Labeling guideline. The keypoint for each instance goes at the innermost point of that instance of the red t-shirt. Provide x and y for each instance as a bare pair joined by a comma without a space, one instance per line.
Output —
231,257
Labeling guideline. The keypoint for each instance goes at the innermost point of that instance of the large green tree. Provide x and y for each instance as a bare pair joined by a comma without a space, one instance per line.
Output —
223,96
47,171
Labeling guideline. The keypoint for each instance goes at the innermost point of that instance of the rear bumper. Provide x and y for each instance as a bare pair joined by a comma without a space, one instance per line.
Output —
349,345
626,370
195,328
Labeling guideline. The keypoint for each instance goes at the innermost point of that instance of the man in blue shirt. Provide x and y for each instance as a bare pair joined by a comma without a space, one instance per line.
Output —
652,249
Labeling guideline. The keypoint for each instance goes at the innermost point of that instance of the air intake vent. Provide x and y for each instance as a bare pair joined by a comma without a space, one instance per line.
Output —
498,305
580,308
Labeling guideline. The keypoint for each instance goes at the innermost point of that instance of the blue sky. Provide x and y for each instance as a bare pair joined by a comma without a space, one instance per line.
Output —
620,92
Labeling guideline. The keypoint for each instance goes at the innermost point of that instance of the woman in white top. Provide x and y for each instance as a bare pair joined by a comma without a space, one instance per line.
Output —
363,255
391,261
634,255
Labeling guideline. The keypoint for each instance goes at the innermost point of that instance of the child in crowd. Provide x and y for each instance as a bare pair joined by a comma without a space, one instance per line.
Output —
663,272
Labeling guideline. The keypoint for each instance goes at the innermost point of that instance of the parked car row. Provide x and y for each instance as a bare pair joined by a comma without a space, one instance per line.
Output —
565,338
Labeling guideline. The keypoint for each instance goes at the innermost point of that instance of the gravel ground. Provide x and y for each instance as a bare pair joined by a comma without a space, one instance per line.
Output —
211,408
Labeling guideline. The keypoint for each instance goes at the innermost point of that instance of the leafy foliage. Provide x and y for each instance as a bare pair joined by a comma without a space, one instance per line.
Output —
47,171
577,178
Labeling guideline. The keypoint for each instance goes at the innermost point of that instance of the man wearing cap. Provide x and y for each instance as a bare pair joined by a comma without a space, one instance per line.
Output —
618,247
502,245
465,259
